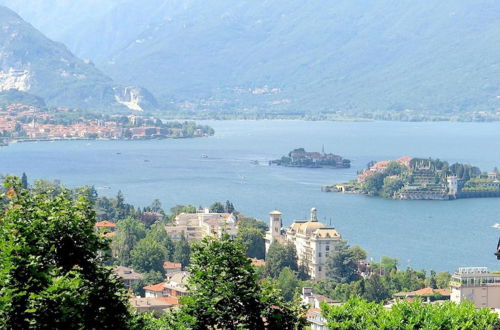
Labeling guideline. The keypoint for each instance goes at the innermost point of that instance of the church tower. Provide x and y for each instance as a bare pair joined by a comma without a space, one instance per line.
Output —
275,224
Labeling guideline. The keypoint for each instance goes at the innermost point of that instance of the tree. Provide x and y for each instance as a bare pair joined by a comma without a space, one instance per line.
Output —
229,208
217,207
148,255
388,264
157,233
51,272
224,292
341,265
375,289
360,314
358,253
253,240
24,181
374,183
288,283
156,206
120,206
443,280
280,256
129,232
182,252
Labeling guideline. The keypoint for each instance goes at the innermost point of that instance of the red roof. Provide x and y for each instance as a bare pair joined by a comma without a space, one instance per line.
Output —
171,265
170,300
155,287
105,224
424,293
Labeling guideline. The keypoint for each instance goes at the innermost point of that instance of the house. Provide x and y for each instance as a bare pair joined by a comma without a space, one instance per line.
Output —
316,320
174,286
171,267
313,241
128,275
476,284
428,294
143,305
105,225
195,226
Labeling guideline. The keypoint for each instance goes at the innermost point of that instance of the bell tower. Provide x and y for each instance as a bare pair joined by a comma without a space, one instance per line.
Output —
275,224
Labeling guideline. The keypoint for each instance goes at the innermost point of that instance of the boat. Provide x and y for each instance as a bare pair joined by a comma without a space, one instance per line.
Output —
255,162
204,156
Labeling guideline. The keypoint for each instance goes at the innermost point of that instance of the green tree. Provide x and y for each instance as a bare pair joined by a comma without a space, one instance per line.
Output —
443,280
129,232
374,183
157,233
224,292
229,208
182,252
341,264
51,272
358,253
375,289
148,255
288,283
24,181
217,207
253,239
280,256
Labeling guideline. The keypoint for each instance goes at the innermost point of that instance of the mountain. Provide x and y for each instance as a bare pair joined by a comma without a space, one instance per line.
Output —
344,55
34,64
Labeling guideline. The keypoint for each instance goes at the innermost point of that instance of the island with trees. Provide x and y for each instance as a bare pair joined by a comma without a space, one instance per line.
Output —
301,158
422,179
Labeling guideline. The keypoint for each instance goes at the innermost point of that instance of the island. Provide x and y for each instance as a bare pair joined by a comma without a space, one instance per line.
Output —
409,178
301,158
23,123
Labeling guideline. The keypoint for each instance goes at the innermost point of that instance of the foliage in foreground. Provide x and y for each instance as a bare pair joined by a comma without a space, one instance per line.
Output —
51,272
360,314
224,293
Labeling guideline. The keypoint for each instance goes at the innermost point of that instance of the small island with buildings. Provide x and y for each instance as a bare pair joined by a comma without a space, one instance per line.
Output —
301,158
409,178
23,123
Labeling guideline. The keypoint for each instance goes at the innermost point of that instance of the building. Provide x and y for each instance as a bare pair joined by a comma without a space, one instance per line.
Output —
312,239
428,294
195,226
476,284
316,320
171,267
128,275
143,305
174,286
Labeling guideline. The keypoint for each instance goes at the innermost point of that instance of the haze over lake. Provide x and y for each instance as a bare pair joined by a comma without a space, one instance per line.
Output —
440,235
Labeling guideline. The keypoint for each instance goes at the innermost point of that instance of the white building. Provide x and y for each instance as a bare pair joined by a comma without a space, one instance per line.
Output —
195,226
476,284
312,239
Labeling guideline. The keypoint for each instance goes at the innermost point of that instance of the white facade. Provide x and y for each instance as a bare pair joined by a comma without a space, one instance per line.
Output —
312,239
195,226
476,284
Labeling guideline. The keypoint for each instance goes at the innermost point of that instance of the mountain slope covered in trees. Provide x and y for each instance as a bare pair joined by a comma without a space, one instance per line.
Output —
288,56
32,63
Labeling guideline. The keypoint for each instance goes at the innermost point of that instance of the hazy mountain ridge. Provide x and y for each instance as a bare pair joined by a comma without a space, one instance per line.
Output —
352,56
30,62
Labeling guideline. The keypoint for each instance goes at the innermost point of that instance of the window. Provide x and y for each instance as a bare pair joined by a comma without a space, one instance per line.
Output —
319,268
328,247
326,254
319,254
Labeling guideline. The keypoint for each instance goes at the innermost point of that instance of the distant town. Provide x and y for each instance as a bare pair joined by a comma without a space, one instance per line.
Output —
19,123
409,178
301,158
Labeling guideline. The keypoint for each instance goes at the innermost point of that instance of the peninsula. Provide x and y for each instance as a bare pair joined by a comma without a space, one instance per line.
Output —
421,179
22,123
301,158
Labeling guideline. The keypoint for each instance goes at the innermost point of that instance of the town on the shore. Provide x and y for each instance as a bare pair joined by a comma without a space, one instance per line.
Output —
318,249
21,123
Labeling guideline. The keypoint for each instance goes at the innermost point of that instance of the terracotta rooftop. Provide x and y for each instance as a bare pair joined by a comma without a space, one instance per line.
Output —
155,287
171,265
424,293
127,273
105,224
170,300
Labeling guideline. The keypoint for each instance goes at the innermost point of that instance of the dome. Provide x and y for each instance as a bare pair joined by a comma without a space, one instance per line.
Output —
310,227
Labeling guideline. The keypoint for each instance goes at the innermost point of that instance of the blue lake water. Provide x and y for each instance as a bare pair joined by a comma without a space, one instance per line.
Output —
440,235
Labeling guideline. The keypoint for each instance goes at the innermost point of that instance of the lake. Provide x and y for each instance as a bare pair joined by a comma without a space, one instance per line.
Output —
440,235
